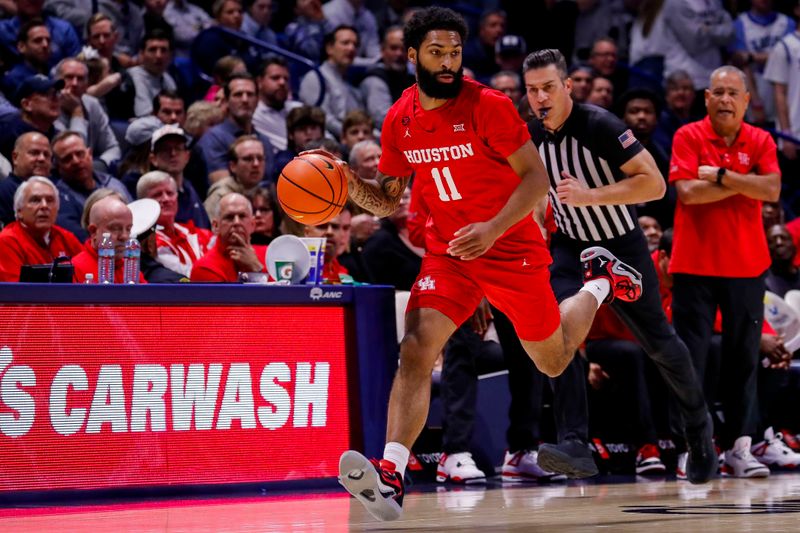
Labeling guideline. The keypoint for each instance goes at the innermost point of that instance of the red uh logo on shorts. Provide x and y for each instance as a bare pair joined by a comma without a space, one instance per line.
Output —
426,284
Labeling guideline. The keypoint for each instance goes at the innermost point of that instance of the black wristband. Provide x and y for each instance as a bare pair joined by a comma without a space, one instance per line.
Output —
720,173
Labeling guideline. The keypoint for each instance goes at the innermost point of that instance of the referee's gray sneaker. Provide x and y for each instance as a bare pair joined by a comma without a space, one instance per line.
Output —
573,458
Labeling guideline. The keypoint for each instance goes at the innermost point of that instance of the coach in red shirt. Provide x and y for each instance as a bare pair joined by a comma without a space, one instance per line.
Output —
723,169
233,252
34,239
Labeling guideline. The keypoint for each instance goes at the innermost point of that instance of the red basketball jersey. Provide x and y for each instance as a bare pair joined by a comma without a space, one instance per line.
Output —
457,153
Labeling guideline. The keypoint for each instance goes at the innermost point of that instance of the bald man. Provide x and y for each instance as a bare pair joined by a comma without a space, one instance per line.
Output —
109,215
233,223
31,156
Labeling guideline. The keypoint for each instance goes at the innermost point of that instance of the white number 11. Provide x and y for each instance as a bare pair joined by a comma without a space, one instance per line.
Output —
437,178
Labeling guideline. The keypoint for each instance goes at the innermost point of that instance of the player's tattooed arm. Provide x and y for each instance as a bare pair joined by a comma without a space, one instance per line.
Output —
380,196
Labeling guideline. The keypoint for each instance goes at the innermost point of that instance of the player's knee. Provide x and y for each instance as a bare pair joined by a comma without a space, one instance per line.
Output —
416,359
550,367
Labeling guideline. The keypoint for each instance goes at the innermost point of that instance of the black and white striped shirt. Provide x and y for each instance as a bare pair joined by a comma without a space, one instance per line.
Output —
592,145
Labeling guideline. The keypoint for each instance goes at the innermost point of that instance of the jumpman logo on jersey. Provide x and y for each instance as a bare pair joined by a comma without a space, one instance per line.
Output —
408,133
525,262
427,284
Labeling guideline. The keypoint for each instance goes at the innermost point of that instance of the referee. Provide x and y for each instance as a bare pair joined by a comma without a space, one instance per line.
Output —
597,169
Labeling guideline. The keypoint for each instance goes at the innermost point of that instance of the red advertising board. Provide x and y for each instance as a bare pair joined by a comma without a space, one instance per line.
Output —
115,396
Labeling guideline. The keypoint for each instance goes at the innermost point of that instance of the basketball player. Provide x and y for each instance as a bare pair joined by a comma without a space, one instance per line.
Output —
597,169
481,178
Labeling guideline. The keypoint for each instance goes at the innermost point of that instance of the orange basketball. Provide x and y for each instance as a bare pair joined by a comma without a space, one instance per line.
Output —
311,189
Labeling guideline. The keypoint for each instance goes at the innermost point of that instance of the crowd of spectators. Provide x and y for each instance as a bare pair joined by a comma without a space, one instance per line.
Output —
105,102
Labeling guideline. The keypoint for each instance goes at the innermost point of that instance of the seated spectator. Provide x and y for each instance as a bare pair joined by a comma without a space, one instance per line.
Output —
115,89
652,232
508,83
603,60
31,156
151,269
84,114
228,14
354,13
303,125
187,21
267,216
127,17
33,44
581,77
679,97
356,127
510,52
256,21
153,17
479,50
341,97
327,144
389,255
178,246
107,215
233,224
337,234
364,159
38,100
200,117
783,275
78,180
34,238
169,152
639,108
168,107
246,165
137,158
64,41
385,81
151,77
241,96
274,105
602,93
307,32
224,68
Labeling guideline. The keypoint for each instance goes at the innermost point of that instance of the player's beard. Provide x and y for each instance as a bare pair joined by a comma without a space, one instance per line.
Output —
434,88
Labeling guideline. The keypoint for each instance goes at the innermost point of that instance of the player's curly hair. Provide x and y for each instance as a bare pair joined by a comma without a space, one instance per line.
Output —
430,19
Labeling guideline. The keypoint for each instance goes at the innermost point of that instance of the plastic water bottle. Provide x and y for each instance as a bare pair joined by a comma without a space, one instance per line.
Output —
130,261
105,260
89,278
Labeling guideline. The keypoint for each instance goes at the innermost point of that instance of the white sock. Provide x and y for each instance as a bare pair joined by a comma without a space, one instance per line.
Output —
599,288
397,454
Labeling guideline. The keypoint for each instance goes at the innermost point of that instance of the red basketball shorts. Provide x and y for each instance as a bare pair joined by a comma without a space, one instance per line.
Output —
518,289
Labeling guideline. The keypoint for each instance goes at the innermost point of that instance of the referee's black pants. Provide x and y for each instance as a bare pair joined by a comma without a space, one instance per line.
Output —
741,302
646,320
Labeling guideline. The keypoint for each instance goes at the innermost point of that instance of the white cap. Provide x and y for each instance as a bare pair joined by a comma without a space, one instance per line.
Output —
167,131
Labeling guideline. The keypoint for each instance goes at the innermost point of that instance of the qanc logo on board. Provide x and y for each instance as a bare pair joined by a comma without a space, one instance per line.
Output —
160,398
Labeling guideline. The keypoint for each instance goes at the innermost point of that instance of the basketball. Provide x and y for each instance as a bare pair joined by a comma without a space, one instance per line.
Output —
311,189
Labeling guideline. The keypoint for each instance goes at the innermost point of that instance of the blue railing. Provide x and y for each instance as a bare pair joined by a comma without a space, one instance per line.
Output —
237,39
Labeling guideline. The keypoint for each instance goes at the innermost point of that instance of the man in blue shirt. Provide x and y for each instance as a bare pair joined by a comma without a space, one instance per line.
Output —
241,96
64,40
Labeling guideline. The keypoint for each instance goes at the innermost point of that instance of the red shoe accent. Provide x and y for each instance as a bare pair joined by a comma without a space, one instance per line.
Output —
626,282
649,450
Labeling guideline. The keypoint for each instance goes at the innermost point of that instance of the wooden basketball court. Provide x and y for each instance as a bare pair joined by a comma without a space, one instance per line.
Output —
632,505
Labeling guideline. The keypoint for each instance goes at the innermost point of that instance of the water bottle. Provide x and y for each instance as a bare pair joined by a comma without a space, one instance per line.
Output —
88,279
105,260
130,261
